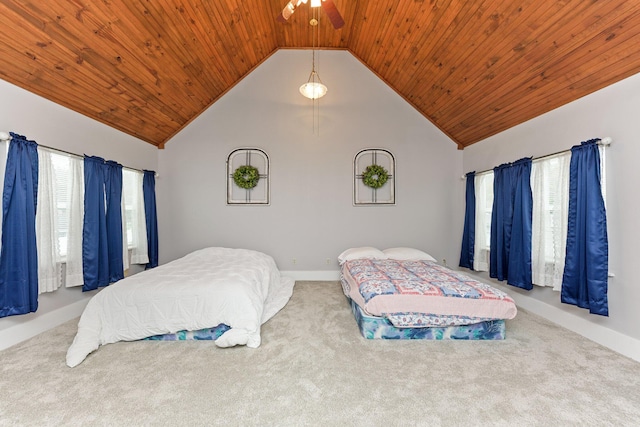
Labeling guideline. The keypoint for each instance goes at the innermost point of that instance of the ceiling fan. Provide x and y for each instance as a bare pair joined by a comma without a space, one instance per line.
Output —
328,5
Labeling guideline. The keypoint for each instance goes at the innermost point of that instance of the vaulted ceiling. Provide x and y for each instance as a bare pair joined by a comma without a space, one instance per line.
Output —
473,68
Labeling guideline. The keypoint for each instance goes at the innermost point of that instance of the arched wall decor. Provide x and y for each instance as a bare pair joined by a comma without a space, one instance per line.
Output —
371,194
254,193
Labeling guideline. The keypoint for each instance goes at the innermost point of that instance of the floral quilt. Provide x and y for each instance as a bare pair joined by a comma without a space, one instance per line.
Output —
422,293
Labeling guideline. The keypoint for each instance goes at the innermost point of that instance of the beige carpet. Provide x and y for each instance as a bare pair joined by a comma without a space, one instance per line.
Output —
314,369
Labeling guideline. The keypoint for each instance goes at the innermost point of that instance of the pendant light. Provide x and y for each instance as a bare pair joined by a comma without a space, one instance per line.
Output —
313,88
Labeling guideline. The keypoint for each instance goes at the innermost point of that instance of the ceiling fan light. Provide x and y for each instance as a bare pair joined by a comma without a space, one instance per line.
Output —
313,90
315,3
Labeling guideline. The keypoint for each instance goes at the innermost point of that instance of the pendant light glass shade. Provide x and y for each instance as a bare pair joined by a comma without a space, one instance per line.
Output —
313,89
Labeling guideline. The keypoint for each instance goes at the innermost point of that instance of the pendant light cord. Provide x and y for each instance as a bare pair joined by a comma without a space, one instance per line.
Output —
315,37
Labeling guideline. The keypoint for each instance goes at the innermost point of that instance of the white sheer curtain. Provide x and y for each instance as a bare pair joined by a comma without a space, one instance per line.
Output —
550,188
133,210
603,172
125,241
49,266
73,267
484,206
4,147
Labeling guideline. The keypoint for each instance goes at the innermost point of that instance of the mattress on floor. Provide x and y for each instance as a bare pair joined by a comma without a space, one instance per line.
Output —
211,334
372,327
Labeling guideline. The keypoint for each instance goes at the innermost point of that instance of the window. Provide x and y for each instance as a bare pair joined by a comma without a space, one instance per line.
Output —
550,189
61,197
61,216
484,208
133,217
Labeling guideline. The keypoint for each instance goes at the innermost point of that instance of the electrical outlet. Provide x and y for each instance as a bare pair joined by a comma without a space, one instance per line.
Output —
328,261
294,261
444,262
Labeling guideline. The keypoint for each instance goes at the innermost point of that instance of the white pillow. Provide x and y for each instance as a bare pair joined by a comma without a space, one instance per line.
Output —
358,253
407,254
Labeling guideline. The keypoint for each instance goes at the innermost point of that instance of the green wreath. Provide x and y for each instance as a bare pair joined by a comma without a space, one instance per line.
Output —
375,176
246,176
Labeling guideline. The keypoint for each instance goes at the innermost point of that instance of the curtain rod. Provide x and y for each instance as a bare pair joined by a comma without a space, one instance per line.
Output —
606,141
4,136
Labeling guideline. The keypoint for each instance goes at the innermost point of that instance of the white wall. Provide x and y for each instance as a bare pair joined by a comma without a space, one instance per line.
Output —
612,112
52,125
311,216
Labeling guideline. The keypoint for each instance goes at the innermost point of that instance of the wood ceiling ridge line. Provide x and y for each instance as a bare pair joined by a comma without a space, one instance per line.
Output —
564,49
444,131
162,144
583,54
459,27
426,42
487,54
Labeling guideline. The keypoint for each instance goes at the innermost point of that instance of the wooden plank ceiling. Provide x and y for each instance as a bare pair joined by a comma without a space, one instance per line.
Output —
474,68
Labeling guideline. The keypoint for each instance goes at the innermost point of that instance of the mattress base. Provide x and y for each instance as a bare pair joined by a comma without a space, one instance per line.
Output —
372,327
210,334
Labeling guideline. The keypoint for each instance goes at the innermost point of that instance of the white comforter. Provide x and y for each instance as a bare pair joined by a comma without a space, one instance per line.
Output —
238,287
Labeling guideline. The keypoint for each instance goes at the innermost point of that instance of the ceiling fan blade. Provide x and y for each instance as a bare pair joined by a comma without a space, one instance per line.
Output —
332,12
288,11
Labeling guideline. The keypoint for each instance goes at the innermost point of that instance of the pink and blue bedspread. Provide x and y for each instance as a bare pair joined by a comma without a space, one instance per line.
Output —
421,299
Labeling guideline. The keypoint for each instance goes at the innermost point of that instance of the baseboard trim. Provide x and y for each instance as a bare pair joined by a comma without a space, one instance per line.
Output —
39,324
616,341
323,275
